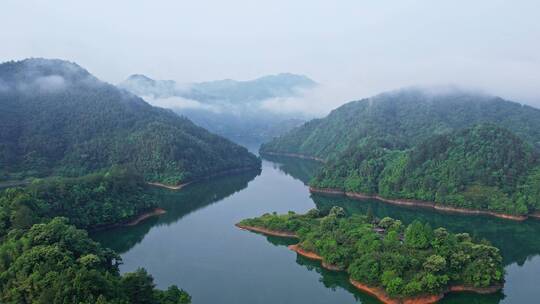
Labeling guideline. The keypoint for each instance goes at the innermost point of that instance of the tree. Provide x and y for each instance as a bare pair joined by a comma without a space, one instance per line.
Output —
369,214
417,235
435,263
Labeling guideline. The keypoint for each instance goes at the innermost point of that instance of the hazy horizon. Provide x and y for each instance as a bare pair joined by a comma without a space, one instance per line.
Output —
353,49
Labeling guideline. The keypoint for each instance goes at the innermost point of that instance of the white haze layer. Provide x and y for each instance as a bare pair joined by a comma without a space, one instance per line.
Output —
179,103
354,48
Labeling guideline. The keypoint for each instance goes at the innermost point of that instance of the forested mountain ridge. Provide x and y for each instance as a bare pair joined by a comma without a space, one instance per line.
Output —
484,167
58,119
403,119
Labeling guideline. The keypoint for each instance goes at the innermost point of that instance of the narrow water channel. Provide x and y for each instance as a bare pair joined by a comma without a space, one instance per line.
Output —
196,246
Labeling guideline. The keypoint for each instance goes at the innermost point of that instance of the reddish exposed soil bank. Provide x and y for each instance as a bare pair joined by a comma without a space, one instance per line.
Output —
382,296
423,204
134,221
268,231
377,292
297,155
313,256
144,216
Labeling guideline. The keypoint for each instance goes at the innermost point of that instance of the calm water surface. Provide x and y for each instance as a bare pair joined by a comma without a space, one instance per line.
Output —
196,246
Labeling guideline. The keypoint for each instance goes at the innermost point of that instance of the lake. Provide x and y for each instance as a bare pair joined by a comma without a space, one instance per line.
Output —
196,246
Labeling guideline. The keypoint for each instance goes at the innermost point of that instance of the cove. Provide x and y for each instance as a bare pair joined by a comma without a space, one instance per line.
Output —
196,245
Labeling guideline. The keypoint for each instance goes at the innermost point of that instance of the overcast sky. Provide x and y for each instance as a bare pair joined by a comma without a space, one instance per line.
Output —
354,48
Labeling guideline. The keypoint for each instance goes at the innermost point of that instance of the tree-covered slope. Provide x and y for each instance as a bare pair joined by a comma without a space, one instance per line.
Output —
404,118
482,167
89,202
56,263
58,119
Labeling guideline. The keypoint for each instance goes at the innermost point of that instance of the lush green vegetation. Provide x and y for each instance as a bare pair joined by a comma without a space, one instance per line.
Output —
54,262
58,119
482,167
45,259
459,149
92,201
403,260
403,119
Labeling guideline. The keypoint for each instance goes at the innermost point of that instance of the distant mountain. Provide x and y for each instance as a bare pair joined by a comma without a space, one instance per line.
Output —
58,119
222,91
404,118
227,107
144,86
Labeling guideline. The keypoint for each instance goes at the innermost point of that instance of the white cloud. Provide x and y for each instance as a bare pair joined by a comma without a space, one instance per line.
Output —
51,83
179,103
316,102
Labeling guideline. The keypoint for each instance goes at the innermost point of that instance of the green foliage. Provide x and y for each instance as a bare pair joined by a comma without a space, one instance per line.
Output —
417,235
411,263
483,167
54,262
448,148
404,118
85,125
91,201
43,259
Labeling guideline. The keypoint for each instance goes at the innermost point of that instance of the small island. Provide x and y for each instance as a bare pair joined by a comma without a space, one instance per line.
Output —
392,262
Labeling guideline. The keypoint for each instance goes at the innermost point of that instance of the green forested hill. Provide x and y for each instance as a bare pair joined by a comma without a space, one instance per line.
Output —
58,119
483,167
89,202
55,263
403,119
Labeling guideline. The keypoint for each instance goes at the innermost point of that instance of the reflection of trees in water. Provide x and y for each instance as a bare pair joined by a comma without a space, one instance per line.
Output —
517,240
300,169
335,280
330,279
178,204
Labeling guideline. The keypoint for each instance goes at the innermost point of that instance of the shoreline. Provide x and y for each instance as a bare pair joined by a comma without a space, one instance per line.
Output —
313,256
382,296
295,155
267,231
132,221
217,174
146,215
376,292
422,204
160,185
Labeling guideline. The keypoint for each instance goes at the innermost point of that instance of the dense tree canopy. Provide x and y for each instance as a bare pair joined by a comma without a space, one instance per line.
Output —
404,261
483,167
58,119
91,201
54,262
403,119
45,259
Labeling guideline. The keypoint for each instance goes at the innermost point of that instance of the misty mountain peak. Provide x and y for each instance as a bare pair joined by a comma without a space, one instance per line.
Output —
222,91
42,75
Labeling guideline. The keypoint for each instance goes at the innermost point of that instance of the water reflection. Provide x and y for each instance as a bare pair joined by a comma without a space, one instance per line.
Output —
178,204
206,245
300,169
